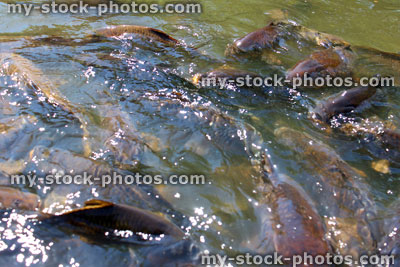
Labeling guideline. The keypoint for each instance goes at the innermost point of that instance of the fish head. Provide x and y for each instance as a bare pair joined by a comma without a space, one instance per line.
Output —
263,38
308,67
333,62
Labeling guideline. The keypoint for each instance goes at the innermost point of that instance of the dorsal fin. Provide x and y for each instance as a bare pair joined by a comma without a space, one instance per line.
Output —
143,31
97,203
163,35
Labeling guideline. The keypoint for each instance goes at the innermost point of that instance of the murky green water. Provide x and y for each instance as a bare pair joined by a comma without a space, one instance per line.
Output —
112,80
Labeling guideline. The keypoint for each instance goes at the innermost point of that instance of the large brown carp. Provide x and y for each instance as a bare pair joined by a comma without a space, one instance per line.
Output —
342,195
14,64
335,62
264,38
271,37
349,61
298,228
103,218
344,102
338,59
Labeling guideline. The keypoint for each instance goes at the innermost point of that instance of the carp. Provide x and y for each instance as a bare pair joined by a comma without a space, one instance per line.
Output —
349,61
344,102
256,41
142,31
100,217
276,32
342,195
335,62
15,199
298,228
15,64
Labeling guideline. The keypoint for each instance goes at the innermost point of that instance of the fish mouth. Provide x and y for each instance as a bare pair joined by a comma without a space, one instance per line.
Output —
307,67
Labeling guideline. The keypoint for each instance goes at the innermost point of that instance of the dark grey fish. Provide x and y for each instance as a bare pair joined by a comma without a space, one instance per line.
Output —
342,103
103,218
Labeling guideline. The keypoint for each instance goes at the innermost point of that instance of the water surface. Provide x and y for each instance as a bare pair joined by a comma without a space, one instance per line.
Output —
112,78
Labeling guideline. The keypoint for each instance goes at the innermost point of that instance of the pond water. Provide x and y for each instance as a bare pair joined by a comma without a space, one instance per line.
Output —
123,87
